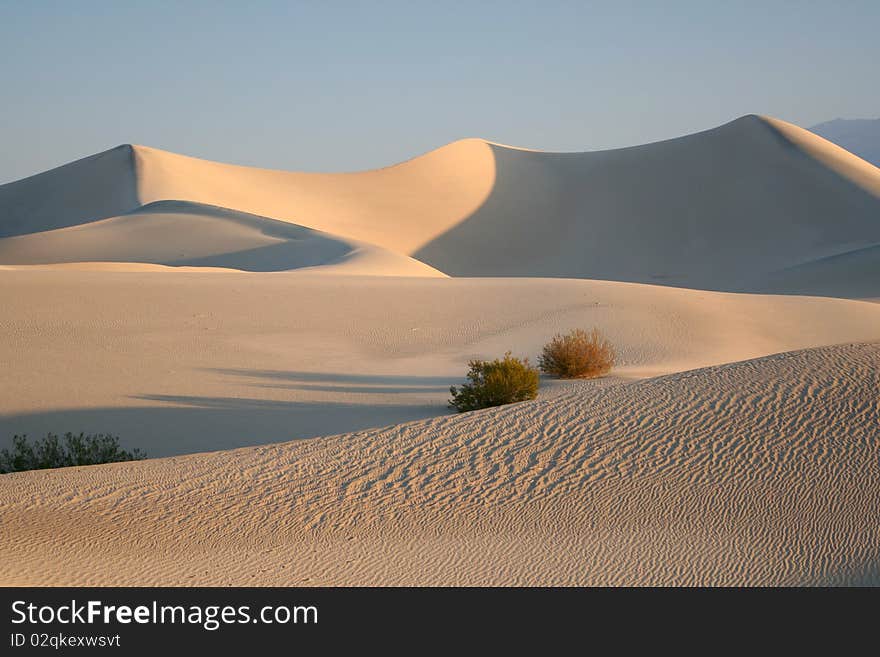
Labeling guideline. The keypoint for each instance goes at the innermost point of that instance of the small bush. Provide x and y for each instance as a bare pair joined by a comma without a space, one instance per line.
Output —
494,383
578,355
52,452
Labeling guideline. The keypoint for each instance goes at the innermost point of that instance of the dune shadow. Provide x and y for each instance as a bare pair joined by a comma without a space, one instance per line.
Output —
336,381
285,256
179,424
94,187
609,215
166,231
365,390
862,573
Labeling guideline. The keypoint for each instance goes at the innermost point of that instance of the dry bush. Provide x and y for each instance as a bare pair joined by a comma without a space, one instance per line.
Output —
496,382
578,355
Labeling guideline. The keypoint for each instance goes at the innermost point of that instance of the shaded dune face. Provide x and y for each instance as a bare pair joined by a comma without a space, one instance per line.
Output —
179,233
184,234
742,207
724,210
854,274
96,187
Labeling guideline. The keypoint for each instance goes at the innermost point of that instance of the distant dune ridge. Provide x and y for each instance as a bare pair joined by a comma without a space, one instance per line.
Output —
737,208
192,306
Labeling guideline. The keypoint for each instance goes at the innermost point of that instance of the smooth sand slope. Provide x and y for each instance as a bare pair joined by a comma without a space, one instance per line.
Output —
186,362
761,472
735,208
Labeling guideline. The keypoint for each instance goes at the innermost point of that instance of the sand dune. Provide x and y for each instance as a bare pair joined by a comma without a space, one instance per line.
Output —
186,306
761,472
851,274
200,361
95,187
188,234
723,209
397,208
859,136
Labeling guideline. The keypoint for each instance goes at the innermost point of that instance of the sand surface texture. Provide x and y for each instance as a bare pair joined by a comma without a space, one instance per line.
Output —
759,472
310,325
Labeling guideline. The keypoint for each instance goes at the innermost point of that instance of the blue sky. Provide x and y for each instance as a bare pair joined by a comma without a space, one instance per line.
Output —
336,86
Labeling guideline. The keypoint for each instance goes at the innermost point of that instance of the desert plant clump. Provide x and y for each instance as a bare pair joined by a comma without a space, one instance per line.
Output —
495,383
579,354
53,452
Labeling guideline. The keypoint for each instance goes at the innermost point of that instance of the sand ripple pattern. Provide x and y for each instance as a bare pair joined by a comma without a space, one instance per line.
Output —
760,472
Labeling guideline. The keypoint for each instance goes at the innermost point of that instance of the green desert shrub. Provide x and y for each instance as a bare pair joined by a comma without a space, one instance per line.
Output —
579,354
494,383
54,452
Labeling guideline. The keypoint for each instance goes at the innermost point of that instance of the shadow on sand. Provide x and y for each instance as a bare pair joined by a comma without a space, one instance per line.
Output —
343,383
184,424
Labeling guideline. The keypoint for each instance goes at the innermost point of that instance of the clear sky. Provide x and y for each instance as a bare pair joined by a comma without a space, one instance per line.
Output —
335,86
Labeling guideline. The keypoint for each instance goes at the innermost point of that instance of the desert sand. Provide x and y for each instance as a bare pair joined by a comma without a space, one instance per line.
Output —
309,325
859,136
759,472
